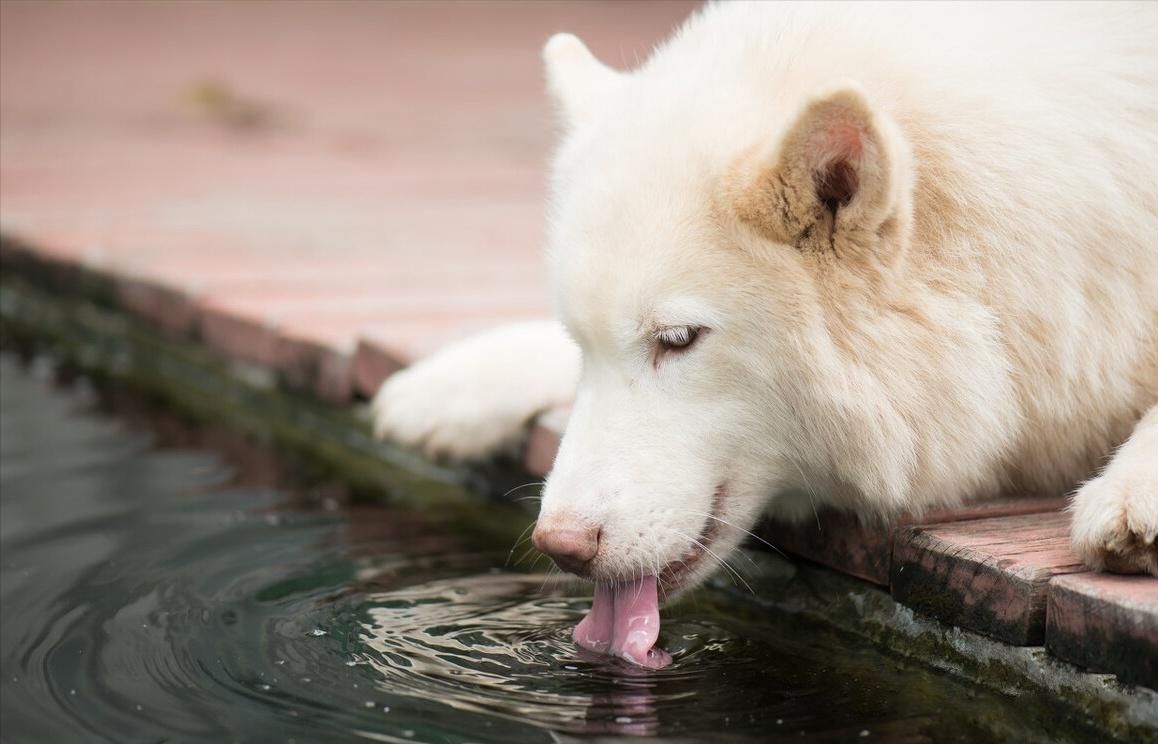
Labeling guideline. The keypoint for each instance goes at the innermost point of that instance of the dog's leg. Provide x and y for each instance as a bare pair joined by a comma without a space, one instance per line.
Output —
1115,516
474,398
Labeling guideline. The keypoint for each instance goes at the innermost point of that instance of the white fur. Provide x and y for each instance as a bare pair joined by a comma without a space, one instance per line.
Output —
982,316
475,397
1116,514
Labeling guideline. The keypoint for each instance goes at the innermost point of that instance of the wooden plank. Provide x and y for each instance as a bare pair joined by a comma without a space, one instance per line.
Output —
242,336
1107,623
837,540
172,310
314,365
373,363
840,541
987,575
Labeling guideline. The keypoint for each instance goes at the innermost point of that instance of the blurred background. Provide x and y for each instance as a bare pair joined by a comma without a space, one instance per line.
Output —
332,171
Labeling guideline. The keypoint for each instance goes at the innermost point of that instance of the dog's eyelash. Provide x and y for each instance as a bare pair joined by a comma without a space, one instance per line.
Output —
676,338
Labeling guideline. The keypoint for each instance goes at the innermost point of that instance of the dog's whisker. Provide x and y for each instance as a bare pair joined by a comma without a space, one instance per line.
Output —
526,554
726,523
518,540
553,574
525,485
725,564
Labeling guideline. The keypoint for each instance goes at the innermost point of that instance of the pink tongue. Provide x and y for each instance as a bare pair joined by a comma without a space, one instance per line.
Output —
624,622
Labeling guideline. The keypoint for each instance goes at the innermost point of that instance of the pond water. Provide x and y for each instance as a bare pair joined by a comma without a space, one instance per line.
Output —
161,581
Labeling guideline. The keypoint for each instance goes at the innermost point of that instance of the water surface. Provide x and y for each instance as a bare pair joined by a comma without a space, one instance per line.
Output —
161,581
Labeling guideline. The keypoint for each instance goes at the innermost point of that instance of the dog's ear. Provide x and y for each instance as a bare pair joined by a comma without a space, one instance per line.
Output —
842,177
579,83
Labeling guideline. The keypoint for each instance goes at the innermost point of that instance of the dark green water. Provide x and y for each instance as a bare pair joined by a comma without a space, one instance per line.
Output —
165,582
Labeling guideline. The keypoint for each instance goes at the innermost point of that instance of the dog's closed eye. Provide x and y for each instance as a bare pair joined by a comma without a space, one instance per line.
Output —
679,337
676,339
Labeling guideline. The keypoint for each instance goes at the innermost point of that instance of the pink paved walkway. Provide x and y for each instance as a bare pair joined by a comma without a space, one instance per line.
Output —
308,174
335,189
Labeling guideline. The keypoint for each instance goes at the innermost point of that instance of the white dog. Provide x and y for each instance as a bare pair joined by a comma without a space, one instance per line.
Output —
883,257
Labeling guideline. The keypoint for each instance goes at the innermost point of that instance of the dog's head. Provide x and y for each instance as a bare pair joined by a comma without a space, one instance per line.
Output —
698,229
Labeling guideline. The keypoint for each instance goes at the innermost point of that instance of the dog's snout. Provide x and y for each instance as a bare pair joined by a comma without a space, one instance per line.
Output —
571,546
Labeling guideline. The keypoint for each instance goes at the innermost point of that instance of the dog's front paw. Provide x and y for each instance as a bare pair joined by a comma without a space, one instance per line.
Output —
1115,520
474,399
434,408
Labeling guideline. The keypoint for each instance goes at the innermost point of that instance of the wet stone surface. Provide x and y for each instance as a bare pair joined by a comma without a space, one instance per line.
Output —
161,581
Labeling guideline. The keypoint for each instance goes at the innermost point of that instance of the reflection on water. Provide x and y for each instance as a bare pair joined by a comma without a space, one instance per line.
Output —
155,589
